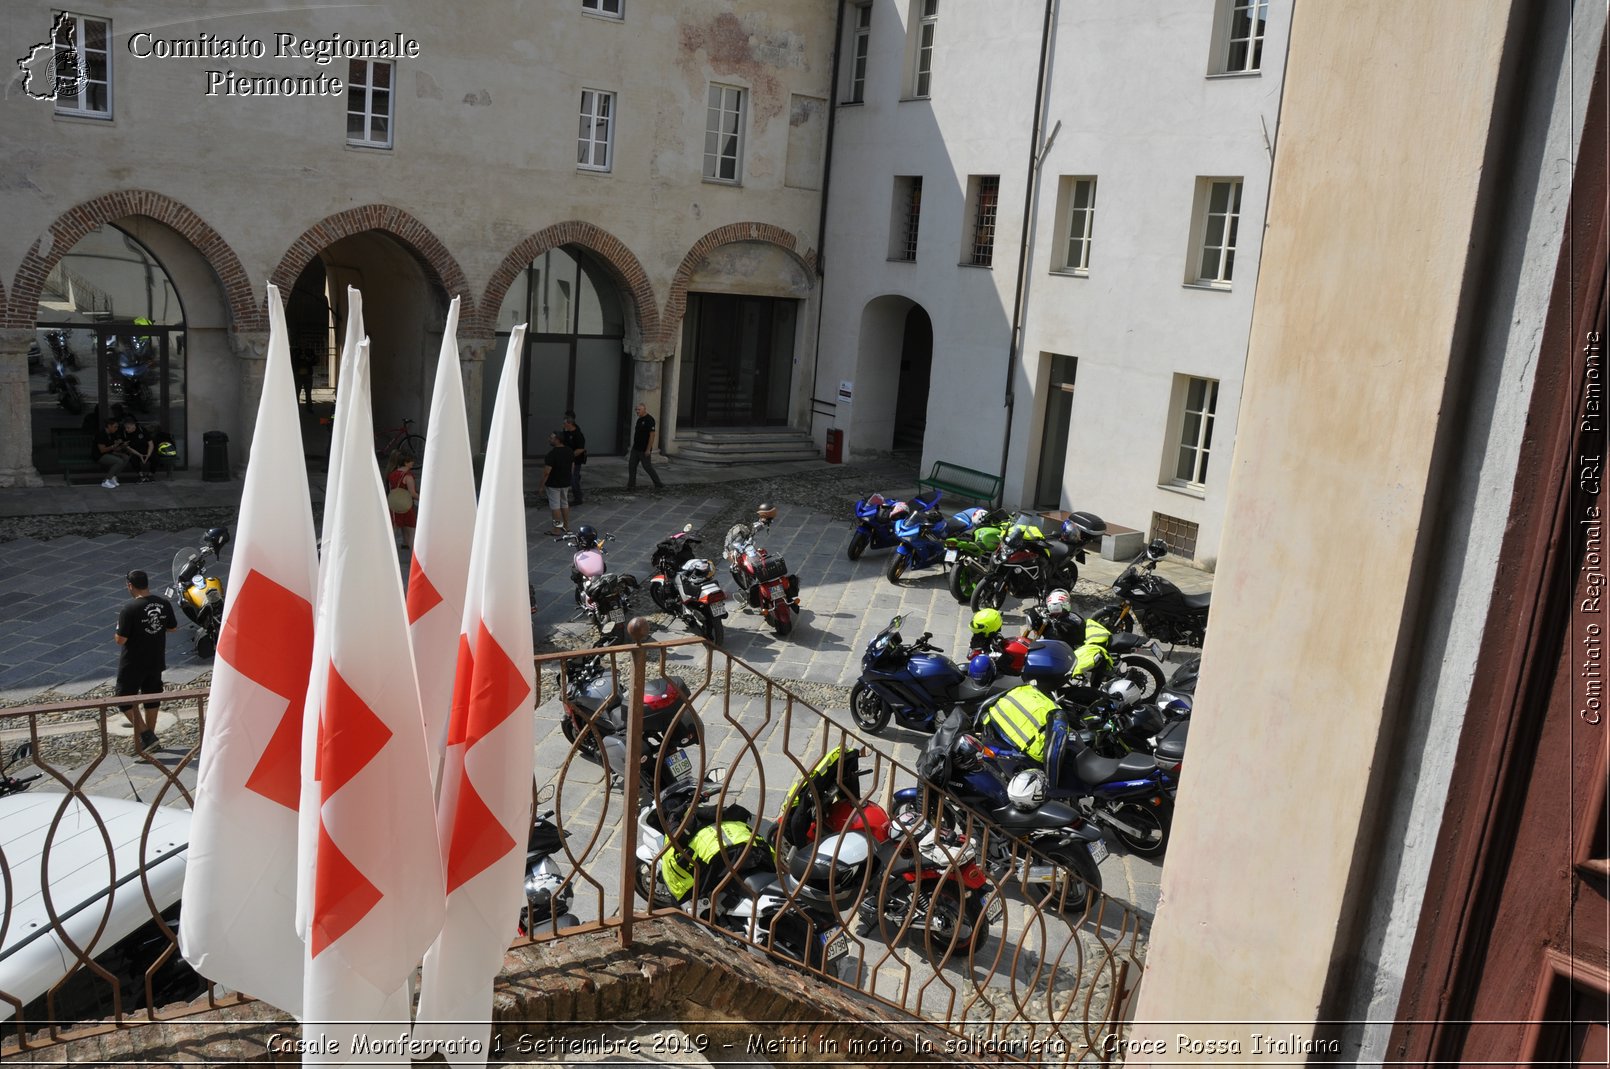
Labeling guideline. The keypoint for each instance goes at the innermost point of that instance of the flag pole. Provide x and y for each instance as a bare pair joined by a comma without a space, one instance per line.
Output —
638,629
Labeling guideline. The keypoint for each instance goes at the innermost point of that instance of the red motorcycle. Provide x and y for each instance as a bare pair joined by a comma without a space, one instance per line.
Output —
763,577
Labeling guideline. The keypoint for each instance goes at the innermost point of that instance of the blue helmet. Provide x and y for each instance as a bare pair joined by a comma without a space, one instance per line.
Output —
981,668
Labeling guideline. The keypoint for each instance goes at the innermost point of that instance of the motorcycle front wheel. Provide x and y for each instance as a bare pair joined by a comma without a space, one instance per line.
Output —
1154,819
870,711
1144,672
206,646
858,543
897,567
990,593
963,580
1075,857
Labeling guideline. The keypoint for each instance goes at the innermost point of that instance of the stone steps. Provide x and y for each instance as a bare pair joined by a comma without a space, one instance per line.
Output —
745,445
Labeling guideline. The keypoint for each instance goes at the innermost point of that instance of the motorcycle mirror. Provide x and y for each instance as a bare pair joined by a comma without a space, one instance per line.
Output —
687,528
896,623
716,775
22,752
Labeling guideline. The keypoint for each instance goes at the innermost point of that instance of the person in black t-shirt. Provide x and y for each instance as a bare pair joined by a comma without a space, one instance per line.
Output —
140,447
142,632
556,480
577,442
111,451
642,446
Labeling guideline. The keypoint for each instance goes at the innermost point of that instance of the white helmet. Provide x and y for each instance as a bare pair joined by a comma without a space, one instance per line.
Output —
1058,603
1027,789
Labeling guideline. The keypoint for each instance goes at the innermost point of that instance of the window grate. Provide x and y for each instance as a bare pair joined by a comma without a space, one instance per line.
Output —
989,186
908,249
1179,535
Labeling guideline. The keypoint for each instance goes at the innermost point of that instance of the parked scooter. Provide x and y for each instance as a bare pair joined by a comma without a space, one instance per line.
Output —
875,517
10,784
912,684
763,577
199,592
547,894
1162,610
685,585
594,706
711,860
1029,567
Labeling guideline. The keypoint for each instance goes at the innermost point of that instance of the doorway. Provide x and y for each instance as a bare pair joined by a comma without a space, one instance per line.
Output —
916,367
1054,432
740,358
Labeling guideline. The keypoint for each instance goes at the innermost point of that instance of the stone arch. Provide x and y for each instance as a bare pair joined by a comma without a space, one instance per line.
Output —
414,236
609,249
676,302
71,226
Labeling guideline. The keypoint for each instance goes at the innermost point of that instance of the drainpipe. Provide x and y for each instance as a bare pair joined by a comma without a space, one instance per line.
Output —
1023,247
821,220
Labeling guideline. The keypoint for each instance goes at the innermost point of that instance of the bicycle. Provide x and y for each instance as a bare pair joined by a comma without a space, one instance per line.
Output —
400,441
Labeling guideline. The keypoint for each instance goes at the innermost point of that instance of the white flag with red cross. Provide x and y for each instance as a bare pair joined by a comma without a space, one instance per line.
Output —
484,810
441,566
377,889
238,927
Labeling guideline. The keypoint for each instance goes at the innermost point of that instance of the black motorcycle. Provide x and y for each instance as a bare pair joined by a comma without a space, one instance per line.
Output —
63,382
547,893
1162,610
594,707
685,585
605,600
10,784
1033,567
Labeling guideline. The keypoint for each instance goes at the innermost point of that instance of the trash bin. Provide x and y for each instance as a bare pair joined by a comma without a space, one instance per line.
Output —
835,446
215,457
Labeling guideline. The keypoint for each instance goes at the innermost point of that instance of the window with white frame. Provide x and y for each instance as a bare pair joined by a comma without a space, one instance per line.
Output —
723,134
983,196
1077,209
1218,214
607,8
905,217
1194,401
859,43
1239,36
83,66
596,139
927,24
369,102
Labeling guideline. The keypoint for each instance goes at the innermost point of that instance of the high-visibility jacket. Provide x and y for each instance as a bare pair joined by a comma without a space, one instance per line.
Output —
706,843
1094,650
1019,717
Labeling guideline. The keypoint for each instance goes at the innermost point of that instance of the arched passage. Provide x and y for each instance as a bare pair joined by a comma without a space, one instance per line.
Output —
894,359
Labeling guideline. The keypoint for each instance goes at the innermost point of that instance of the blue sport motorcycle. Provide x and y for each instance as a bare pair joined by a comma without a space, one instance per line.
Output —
875,518
915,684
922,535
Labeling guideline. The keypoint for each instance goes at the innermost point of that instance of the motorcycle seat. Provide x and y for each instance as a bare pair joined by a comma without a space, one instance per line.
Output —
1057,549
1124,641
1196,601
1094,769
1047,815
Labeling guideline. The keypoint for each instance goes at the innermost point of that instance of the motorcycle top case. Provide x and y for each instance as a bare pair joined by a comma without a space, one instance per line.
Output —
1047,659
774,568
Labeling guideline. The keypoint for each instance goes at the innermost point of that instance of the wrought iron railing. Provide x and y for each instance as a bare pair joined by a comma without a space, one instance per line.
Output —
1053,981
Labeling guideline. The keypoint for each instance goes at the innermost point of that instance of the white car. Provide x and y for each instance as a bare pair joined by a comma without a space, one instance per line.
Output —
84,888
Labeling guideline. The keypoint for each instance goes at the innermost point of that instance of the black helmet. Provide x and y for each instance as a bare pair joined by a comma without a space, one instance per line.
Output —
766,511
216,537
586,536
968,755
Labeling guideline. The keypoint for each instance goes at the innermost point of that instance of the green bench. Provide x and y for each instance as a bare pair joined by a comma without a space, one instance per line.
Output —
74,451
964,482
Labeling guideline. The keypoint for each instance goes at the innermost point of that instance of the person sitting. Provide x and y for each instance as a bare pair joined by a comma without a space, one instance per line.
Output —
140,447
111,451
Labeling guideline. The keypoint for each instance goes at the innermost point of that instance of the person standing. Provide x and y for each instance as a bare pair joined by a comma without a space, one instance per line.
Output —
556,480
642,446
577,443
405,519
143,627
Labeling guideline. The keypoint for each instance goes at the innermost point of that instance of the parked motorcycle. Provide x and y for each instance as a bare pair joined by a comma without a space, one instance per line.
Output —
587,562
1099,655
930,887
131,366
763,577
1132,796
875,518
685,585
967,552
198,591
1162,610
605,600
547,895
923,537
913,684
10,784
593,709
1029,567
711,860
63,382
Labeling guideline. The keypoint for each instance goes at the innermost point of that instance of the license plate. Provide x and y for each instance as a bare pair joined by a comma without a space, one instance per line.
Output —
837,946
718,610
994,910
1098,851
681,767
617,616
950,556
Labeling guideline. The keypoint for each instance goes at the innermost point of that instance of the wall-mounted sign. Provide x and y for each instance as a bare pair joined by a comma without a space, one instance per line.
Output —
846,391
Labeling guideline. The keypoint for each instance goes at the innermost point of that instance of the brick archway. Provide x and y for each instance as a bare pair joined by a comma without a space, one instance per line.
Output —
676,303
623,265
70,227
423,245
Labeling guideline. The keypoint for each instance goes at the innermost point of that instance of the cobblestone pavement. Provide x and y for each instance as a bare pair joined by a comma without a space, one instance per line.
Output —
62,595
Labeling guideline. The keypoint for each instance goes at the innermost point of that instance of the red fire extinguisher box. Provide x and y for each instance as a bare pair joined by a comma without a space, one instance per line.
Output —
835,446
